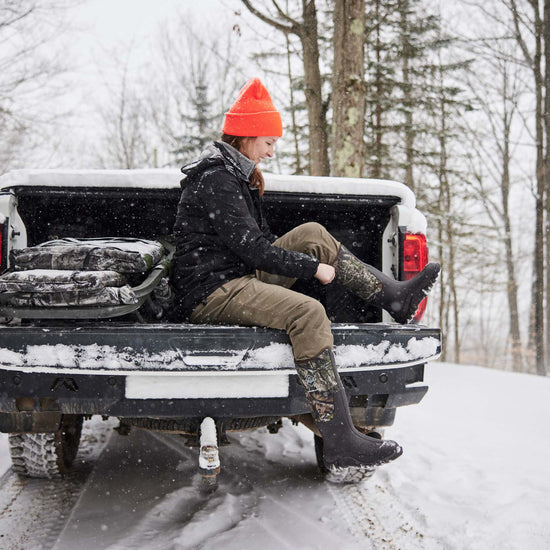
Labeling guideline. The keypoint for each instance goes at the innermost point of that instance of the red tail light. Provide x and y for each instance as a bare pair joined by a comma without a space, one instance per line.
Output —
415,257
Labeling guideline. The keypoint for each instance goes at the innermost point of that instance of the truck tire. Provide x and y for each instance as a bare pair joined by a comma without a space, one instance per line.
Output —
350,474
46,455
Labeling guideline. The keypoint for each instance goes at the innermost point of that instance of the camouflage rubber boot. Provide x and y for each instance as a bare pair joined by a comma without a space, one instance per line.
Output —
343,444
399,298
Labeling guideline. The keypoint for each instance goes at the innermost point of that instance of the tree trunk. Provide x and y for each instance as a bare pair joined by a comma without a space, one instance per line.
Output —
445,204
348,88
318,135
297,156
378,132
536,322
316,109
453,291
541,366
538,279
511,287
442,279
407,96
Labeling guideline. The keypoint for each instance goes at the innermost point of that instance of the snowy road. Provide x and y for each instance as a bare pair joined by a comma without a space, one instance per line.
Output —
455,488
33,511
142,491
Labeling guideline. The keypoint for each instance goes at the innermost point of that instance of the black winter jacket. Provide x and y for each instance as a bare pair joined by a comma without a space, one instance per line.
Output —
220,231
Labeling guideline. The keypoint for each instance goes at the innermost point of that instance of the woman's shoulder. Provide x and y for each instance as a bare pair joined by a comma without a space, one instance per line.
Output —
219,157
213,181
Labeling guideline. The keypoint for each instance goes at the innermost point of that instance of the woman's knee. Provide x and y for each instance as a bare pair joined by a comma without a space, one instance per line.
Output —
313,229
319,242
316,309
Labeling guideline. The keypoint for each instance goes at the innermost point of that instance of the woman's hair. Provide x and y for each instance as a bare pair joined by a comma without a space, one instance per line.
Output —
256,178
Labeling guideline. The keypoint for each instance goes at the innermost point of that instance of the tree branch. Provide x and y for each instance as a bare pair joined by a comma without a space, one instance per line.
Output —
294,29
285,15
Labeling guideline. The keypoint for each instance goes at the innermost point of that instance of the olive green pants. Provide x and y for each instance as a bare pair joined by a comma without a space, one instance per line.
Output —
266,300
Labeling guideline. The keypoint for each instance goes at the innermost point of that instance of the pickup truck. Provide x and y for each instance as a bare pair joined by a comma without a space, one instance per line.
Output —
61,364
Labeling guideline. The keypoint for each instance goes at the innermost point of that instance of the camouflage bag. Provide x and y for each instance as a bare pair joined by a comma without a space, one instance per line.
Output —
117,254
56,288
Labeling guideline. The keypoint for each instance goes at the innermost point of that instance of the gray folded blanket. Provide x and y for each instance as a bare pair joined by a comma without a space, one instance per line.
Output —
117,254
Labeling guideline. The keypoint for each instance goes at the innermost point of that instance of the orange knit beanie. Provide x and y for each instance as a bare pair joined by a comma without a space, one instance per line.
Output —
253,113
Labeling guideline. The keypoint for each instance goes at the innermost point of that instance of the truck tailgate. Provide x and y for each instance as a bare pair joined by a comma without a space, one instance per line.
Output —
171,370
169,349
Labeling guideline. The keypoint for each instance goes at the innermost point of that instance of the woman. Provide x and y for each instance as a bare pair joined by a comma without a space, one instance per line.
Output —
230,269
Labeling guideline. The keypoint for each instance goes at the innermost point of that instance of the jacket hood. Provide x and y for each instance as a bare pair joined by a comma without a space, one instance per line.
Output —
219,152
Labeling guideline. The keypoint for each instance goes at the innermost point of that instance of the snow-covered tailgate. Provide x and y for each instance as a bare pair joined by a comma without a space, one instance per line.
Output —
190,362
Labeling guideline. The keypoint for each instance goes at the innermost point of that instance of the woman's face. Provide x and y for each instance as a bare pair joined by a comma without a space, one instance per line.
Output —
257,148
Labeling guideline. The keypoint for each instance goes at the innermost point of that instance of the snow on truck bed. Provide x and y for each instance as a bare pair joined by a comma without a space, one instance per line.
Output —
170,179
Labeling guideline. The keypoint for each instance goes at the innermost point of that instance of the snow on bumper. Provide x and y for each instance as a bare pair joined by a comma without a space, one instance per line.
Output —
98,359
191,362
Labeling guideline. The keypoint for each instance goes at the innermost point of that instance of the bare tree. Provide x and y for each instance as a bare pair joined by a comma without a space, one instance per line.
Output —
29,70
196,77
498,98
280,63
304,25
126,140
380,85
530,30
406,56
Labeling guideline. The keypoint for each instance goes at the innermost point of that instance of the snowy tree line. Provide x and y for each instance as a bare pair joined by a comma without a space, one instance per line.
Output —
397,89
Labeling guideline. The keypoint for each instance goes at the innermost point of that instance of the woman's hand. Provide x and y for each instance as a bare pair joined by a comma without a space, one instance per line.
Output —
325,274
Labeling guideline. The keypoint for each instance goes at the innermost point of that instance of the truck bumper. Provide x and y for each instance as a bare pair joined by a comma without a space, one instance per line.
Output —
175,371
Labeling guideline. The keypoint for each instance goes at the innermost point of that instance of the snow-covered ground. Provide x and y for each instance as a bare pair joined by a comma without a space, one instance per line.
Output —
474,475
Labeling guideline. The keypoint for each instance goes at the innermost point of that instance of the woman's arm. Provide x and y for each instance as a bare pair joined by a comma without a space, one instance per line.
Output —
221,196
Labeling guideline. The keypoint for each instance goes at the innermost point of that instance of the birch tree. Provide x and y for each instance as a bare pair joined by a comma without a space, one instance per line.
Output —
348,88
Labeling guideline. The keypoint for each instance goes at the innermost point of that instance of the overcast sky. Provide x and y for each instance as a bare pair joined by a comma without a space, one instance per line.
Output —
114,21
97,32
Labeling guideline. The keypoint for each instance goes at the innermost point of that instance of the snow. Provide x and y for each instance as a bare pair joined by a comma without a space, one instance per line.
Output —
477,457
209,458
105,359
5,461
170,179
385,354
208,433
343,186
411,218
474,475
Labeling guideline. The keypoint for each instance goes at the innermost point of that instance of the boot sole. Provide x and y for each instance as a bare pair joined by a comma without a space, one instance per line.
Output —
346,462
349,474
